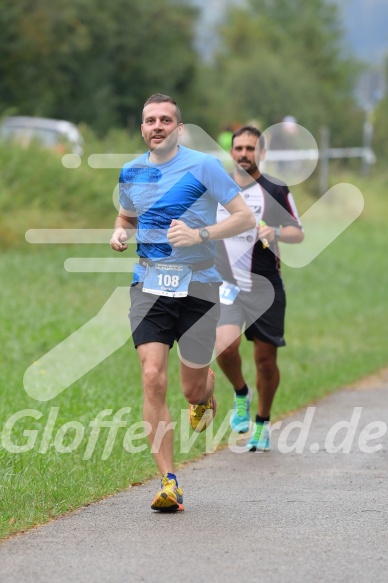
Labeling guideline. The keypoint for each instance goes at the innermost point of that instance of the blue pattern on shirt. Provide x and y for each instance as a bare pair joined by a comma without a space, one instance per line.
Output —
187,187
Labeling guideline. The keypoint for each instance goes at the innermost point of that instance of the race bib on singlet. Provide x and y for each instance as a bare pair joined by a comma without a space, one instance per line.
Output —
167,279
228,293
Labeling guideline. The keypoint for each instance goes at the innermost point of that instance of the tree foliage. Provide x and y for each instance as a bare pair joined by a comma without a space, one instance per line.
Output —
279,57
96,62
379,118
93,60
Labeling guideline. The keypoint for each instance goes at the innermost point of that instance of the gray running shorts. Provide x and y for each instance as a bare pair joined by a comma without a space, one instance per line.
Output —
250,312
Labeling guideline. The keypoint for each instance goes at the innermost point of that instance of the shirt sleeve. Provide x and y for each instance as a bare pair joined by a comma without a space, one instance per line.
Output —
219,184
125,191
285,199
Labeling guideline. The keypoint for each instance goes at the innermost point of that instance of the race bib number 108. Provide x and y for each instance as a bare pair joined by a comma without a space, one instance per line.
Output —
163,279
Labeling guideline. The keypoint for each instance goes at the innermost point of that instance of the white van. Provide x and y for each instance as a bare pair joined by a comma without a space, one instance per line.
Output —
55,134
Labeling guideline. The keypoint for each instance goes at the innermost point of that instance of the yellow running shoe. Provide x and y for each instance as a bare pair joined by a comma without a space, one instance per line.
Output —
202,415
169,498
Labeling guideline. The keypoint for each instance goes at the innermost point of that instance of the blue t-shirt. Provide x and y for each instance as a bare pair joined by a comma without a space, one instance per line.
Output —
188,187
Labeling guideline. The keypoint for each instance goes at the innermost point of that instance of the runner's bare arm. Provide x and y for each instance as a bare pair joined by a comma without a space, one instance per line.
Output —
288,234
124,229
240,219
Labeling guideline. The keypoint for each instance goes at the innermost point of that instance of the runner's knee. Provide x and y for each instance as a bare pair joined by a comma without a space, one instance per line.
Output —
225,350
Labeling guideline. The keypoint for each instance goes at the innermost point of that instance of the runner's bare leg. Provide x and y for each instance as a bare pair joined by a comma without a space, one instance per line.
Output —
154,359
229,360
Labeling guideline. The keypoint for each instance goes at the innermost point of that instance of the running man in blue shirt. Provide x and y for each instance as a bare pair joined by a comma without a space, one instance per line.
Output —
170,196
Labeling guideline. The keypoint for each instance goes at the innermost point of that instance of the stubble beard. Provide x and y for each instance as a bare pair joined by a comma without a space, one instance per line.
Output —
244,171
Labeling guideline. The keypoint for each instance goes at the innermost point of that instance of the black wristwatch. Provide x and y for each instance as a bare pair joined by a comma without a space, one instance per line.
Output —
204,235
276,232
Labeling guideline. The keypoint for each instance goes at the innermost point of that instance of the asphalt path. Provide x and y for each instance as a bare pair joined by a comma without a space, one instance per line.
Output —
312,509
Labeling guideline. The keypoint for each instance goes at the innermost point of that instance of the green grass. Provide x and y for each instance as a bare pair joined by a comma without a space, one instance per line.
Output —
37,191
335,330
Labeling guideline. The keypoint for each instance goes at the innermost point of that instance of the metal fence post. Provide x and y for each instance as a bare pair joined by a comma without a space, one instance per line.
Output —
366,160
324,160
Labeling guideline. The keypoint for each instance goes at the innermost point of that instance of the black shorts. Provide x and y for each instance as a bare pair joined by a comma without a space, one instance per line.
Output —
269,326
165,319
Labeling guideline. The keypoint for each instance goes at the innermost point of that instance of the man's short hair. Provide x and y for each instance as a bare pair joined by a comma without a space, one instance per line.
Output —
160,98
250,130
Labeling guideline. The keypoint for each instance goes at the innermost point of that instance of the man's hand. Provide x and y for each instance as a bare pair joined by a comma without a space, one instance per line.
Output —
266,234
180,235
118,239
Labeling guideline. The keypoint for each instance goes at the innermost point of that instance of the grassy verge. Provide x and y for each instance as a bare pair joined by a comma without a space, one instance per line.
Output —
335,331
